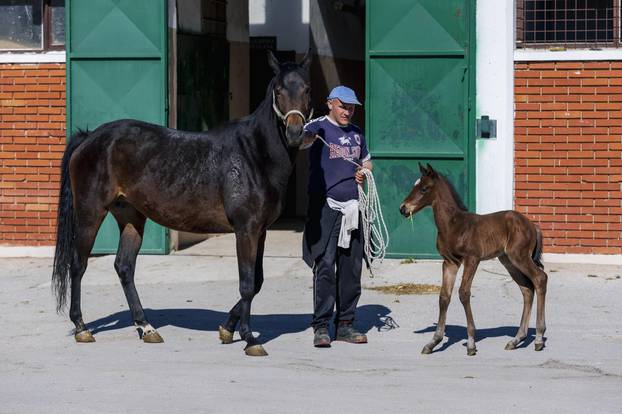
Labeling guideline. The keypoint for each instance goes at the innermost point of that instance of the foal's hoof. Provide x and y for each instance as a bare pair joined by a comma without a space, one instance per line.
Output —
540,346
255,350
152,337
510,346
471,351
426,350
226,337
84,336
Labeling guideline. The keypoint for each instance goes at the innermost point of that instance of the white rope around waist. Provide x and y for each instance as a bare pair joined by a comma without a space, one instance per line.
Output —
349,219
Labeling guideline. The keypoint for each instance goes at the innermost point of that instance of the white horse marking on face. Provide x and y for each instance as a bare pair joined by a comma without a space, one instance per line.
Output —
418,181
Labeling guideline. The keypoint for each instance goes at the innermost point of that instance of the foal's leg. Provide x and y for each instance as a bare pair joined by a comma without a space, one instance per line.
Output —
226,332
539,279
527,290
131,226
247,243
449,279
86,226
470,266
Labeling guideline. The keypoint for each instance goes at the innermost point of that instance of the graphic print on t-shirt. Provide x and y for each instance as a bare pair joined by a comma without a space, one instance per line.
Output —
330,174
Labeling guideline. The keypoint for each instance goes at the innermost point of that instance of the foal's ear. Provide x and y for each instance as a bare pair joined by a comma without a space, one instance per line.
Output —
273,62
431,171
423,170
306,60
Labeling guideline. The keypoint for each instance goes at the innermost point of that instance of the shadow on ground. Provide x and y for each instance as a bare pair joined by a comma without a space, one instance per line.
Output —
269,326
456,333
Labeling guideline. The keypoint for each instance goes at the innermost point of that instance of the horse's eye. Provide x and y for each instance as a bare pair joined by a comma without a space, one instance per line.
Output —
424,190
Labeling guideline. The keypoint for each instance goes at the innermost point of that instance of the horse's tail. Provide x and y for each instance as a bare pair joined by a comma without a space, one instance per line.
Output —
536,256
65,226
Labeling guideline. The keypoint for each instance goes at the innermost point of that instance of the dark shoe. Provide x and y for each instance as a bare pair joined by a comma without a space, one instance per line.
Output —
321,338
347,333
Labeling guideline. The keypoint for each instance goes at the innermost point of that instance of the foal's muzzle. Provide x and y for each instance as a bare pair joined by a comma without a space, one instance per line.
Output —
405,211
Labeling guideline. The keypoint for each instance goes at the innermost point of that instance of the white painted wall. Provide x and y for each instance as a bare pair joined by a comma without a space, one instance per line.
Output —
288,20
495,98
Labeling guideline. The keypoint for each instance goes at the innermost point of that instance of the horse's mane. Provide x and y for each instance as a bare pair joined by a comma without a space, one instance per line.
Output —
453,192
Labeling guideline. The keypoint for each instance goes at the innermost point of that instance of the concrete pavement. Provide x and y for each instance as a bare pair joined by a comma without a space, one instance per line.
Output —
187,294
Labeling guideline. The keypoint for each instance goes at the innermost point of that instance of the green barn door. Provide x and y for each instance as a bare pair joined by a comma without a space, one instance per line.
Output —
117,68
420,82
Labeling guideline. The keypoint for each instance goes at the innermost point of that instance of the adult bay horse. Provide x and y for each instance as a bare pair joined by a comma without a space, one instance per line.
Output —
465,239
230,179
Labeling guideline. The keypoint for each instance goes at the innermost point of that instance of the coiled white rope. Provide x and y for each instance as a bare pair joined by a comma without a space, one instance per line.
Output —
374,229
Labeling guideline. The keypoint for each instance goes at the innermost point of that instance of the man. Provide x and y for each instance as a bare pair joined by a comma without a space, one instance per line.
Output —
332,242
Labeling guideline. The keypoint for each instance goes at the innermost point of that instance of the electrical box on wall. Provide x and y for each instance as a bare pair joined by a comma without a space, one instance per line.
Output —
485,127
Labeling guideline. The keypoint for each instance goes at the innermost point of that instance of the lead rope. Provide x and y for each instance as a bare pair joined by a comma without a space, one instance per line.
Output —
375,233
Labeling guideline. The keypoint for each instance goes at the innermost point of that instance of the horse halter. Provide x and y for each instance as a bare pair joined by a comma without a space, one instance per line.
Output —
293,111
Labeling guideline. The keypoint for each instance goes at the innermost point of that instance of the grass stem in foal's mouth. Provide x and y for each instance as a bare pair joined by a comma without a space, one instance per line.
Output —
407,289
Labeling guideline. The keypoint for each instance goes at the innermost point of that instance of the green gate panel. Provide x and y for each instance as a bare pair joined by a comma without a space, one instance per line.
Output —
417,25
427,99
419,86
117,68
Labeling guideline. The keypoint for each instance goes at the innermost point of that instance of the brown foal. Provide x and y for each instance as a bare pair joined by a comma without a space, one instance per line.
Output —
467,238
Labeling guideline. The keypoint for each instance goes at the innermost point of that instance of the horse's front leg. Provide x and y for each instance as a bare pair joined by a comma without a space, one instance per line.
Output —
449,279
247,243
226,331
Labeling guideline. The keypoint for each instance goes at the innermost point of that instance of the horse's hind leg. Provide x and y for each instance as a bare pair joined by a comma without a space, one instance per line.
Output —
470,266
87,224
449,279
131,226
527,290
225,332
539,279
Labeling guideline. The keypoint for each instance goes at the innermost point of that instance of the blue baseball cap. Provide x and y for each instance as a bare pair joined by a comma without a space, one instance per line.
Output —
344,94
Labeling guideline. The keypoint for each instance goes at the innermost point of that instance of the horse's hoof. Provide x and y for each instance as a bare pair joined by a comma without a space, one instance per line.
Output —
539,347
152,337
255,350
471,351
510,346
84,336
426,350
226,337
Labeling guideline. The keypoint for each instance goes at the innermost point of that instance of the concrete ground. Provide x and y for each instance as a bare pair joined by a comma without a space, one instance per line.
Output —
187,294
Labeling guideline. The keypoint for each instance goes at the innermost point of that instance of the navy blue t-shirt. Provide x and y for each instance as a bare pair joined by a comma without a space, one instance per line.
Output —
330,174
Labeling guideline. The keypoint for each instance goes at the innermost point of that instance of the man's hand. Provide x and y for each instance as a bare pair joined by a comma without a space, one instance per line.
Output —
307,141
359,177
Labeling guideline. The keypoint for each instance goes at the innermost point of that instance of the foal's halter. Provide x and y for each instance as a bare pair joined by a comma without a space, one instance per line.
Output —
293,111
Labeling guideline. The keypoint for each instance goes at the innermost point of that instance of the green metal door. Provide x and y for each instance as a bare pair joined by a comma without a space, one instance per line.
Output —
117,68
420,84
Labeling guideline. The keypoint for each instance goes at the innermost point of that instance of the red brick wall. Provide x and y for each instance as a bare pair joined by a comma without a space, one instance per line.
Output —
568,153
32,140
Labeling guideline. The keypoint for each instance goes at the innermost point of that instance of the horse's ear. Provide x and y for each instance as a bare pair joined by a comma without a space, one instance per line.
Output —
422,169
306,60
431,170
273,62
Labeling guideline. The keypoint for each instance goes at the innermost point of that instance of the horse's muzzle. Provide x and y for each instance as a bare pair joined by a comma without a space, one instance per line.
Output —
405,211
294,134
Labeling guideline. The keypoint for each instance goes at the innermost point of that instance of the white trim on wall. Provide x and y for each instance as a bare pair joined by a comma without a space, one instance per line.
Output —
47,57
533,55
494,158
603,259
27,251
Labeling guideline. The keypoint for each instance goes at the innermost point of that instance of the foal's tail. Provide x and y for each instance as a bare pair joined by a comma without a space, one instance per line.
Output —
63,256
536,256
